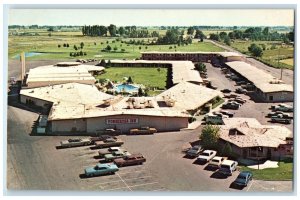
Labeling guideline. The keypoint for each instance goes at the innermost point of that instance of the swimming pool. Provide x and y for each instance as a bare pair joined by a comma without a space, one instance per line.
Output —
28,54
126,88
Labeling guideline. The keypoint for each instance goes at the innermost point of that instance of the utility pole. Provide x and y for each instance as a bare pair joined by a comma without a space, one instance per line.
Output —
281,69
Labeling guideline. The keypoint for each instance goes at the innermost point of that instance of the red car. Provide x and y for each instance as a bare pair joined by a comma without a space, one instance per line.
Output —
134,159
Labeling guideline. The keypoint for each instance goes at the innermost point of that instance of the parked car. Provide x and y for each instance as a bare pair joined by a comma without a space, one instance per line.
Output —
231,105
142,131
230,95
241,91
134,159
239,100
206,155
216,162
279,114
101,169
220,114
115,154
280,120
213,119
194,151
109,132
241,82
103,152
243,178
75,142
283,107
226,91
225,112
110,142
101,138
228,167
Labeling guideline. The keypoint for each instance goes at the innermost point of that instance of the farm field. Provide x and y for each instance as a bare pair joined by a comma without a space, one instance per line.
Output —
270,54
48,46
149,77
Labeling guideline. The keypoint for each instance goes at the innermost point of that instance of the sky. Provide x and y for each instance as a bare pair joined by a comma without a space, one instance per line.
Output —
153,17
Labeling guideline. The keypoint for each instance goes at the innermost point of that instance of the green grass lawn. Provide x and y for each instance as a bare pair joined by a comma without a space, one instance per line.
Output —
283,172
270,56
49,45
149,77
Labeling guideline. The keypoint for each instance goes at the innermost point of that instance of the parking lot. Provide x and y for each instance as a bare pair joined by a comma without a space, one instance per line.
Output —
34,162
249,109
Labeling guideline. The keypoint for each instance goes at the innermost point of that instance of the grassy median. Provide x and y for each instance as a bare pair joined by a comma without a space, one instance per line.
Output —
283,172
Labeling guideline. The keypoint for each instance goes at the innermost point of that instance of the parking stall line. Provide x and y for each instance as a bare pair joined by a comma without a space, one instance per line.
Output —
117,188
124,181
121,180
144,184
128,172
250,185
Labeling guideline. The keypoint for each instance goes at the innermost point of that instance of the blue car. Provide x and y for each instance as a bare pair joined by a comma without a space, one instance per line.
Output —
101,169
243,178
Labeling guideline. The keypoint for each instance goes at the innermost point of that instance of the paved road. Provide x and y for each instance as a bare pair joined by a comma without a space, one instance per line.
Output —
288,75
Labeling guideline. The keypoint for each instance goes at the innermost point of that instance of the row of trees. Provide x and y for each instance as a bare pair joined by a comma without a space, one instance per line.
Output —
174,36
255,34
113,30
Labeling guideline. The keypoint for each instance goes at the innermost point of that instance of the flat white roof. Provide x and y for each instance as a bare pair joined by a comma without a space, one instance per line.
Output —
69,93
224,54
259,78
189,96
52,73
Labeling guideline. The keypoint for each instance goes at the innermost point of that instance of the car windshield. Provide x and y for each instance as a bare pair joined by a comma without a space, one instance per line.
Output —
205,154
195,148
74,140
242,177
215,160
225,166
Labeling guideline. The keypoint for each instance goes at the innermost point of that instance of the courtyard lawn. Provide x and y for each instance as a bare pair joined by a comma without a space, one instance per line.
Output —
283,172
92,46
149,77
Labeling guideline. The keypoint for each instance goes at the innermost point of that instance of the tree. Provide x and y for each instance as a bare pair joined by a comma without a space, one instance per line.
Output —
214,36
158,69
81,53
103,63
49,34
190,30
112,29
210,136
223,35
108,48
50,29
67,45
108,63
81,45
227,40
200,35
226,150
75,47
58,46
115,48
129,80
121,30
140,92
255,50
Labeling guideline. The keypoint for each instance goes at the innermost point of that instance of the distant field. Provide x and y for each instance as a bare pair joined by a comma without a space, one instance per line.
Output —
149,77
269,56
49,46
289,61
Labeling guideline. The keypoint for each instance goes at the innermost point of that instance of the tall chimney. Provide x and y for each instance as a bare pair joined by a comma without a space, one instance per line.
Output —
23,71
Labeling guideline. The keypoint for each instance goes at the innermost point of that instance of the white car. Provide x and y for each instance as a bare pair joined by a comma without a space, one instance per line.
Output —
228,167
216,161
206,155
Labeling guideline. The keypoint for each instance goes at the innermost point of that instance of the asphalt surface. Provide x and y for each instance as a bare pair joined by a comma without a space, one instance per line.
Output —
34,163
287,75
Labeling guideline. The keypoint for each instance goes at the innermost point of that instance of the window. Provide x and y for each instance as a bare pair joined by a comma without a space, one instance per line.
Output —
271,98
